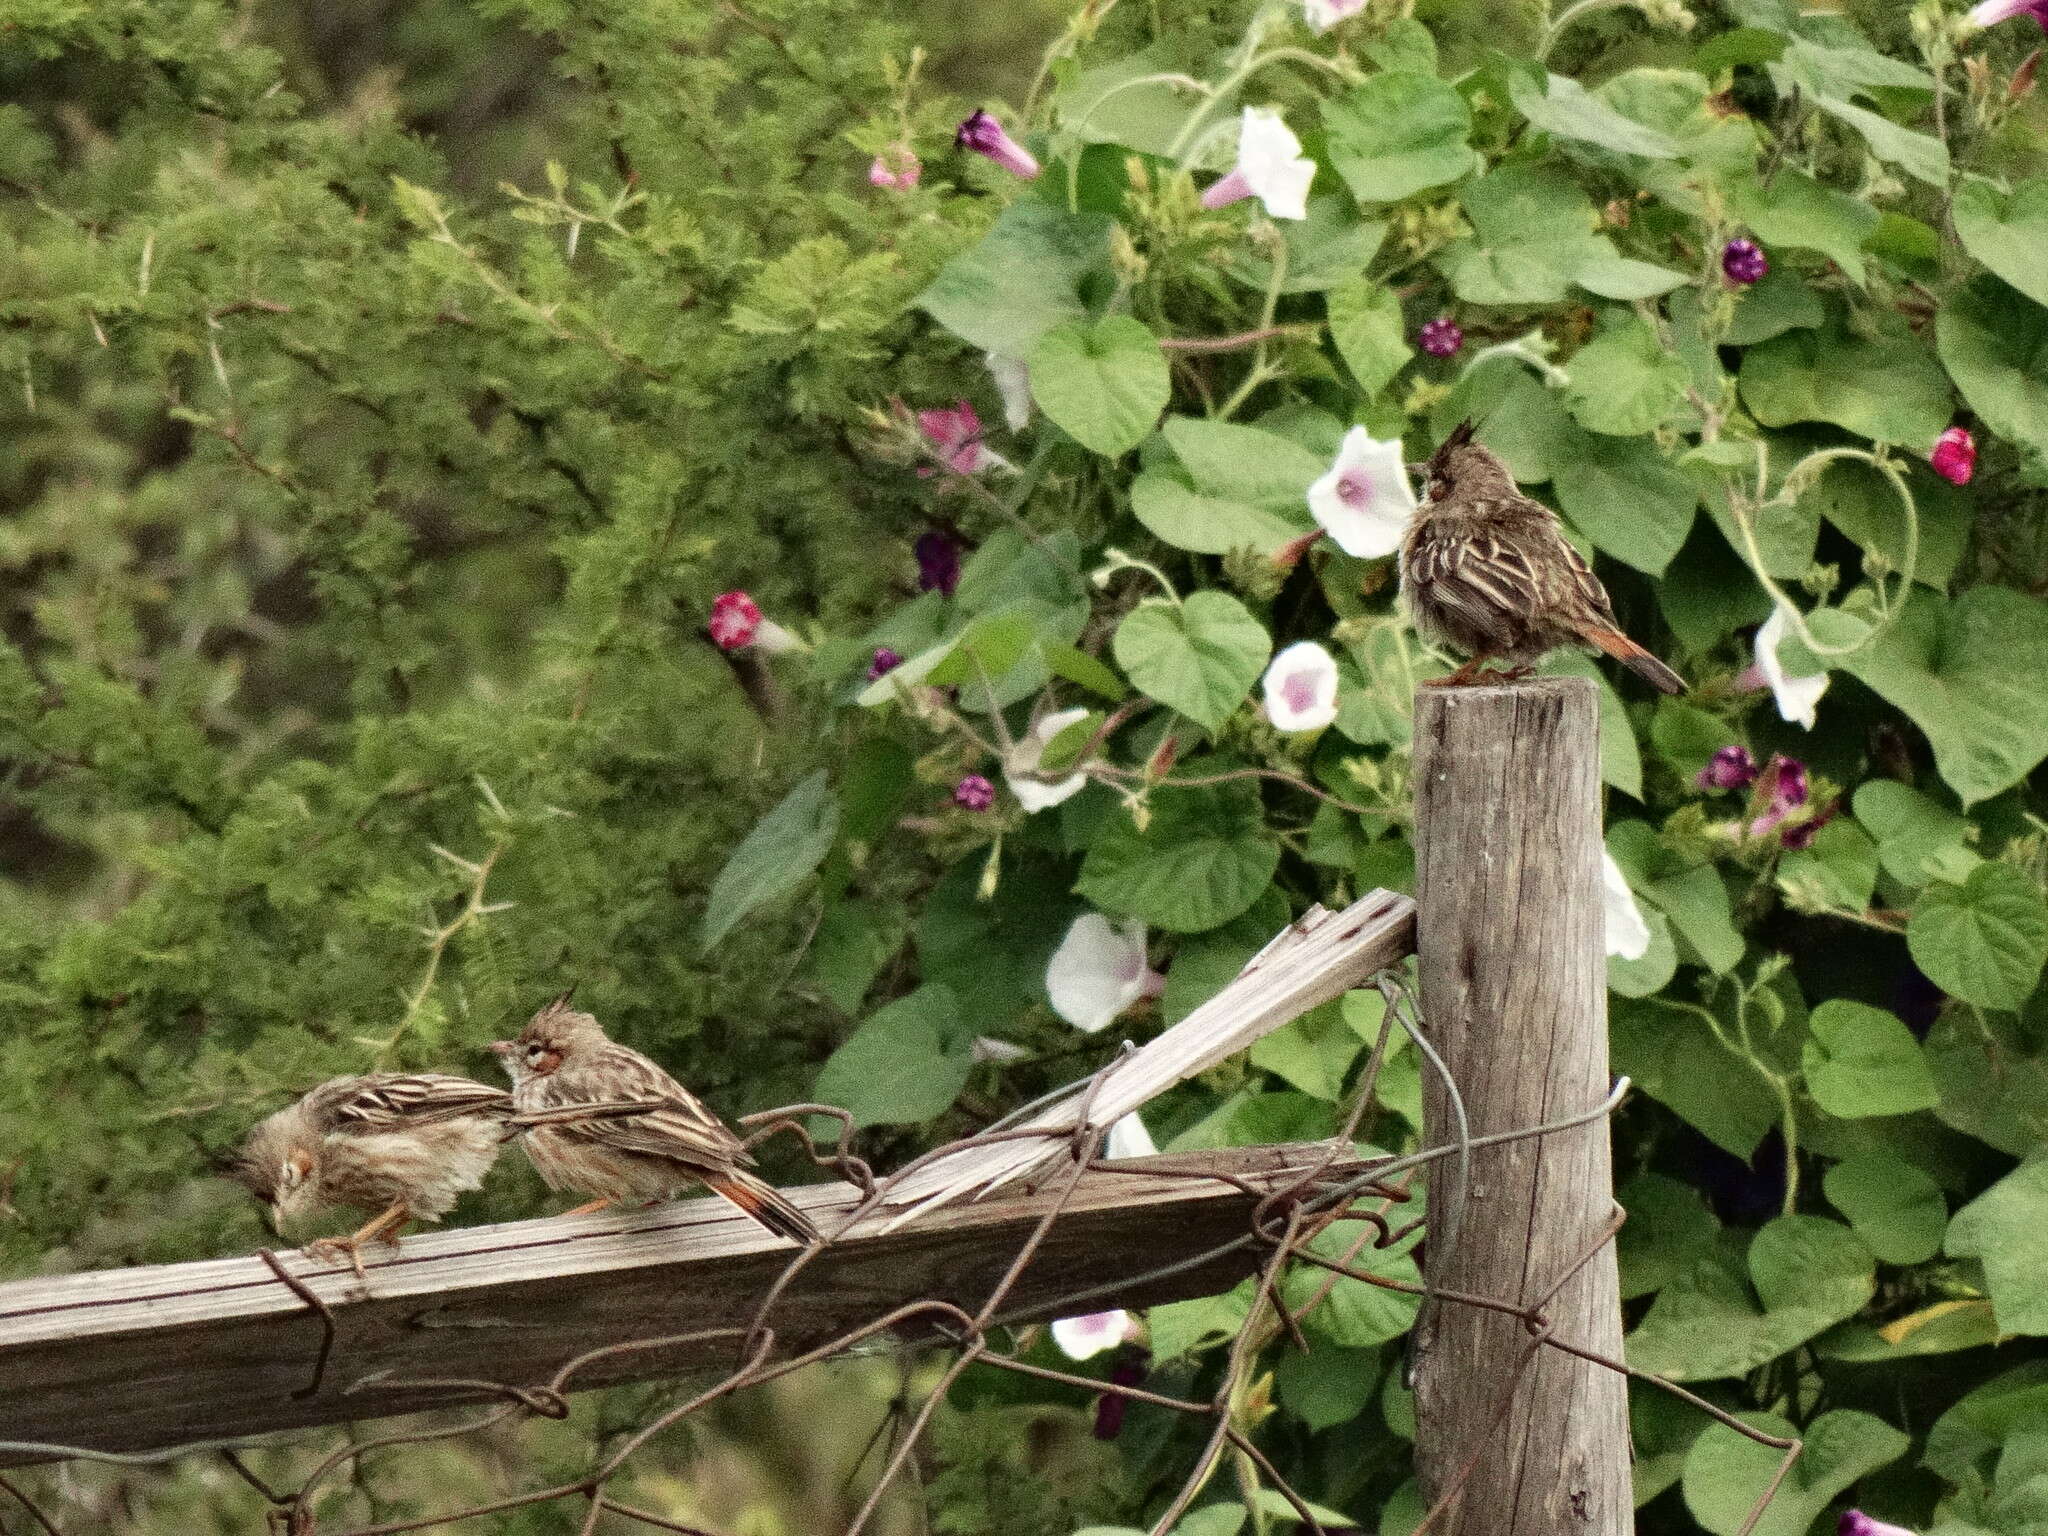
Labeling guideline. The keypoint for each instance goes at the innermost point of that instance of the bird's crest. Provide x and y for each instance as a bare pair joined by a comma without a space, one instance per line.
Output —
1461,435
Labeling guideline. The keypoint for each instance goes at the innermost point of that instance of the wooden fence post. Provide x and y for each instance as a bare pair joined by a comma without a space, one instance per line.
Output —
1512,956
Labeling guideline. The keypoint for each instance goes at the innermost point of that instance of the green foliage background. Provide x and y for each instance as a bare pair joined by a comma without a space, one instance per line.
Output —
387,396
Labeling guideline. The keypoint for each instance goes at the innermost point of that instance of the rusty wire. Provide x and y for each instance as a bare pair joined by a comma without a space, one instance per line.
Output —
1284,1217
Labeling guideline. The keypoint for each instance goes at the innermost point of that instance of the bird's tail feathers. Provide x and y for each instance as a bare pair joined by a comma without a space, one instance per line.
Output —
764,1203
1636,659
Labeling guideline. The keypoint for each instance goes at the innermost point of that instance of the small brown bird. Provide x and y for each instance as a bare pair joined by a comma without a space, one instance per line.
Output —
563,1059
1488,571
401,1145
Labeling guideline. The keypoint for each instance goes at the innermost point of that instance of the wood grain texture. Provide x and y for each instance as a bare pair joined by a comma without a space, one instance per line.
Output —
1319,956
145,1358
1512,957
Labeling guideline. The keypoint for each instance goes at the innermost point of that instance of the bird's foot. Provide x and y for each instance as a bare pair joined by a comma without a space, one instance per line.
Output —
1466,676
330,1250
589,1206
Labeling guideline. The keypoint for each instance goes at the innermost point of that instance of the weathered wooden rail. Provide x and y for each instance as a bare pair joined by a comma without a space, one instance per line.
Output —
150,1358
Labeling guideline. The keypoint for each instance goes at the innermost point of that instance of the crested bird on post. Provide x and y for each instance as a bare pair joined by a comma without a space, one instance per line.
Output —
1488,571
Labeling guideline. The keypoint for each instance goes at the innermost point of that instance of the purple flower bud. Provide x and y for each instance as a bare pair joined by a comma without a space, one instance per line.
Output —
1781,789
974,793
1128,1371
984,135
1744,262
885,661
1729,768
938,561
1440,337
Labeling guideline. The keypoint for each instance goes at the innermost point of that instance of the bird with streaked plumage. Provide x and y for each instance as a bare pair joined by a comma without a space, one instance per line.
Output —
562,1060
401,1145
1488,571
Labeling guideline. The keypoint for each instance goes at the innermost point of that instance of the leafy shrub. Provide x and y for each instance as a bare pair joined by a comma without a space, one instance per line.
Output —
364,521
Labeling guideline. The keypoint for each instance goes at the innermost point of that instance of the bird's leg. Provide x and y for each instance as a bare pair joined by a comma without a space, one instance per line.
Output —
1465,676
1516,674
384,1226
588,1206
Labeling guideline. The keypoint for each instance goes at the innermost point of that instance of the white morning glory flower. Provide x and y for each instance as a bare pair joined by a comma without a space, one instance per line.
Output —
1129,1138
1325,14
1098,971
1798,697
1081,1337
1301,688
1035,794
1013,383
1365,498
1269,167
1627,934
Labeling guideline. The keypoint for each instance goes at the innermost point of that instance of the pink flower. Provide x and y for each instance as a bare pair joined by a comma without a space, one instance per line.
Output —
974,793
1856,1523
1729,768
984,135
955,431
896,168
1988,14
736,624
1780,789
735,620
1954,455
1441,337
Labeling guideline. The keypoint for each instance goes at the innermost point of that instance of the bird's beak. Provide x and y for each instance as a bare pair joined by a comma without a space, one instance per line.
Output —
501,1047
270,1215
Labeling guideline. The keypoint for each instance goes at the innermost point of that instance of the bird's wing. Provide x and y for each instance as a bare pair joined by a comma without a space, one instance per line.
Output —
394,1101
681,1128
1479,567
1583,593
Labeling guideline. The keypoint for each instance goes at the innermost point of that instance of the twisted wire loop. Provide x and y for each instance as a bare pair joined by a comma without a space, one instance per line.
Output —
1338,1185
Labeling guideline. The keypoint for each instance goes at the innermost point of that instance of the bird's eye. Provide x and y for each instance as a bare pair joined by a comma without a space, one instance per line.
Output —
534,1053
289,1175
1439,485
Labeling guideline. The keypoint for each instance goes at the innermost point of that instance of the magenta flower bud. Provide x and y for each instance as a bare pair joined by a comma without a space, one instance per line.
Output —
896,168
1856,1523
1802,836
735,620
1440,337
1781,789
1744,262
1129,1371
1954,456
885,661
984,135
1730,768
974,793
938,561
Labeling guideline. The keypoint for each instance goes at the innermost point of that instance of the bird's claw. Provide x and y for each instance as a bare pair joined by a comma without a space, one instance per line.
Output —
328,1250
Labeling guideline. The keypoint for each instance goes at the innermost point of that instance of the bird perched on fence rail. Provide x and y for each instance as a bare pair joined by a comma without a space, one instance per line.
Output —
401,1145
1488,571
564,1059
